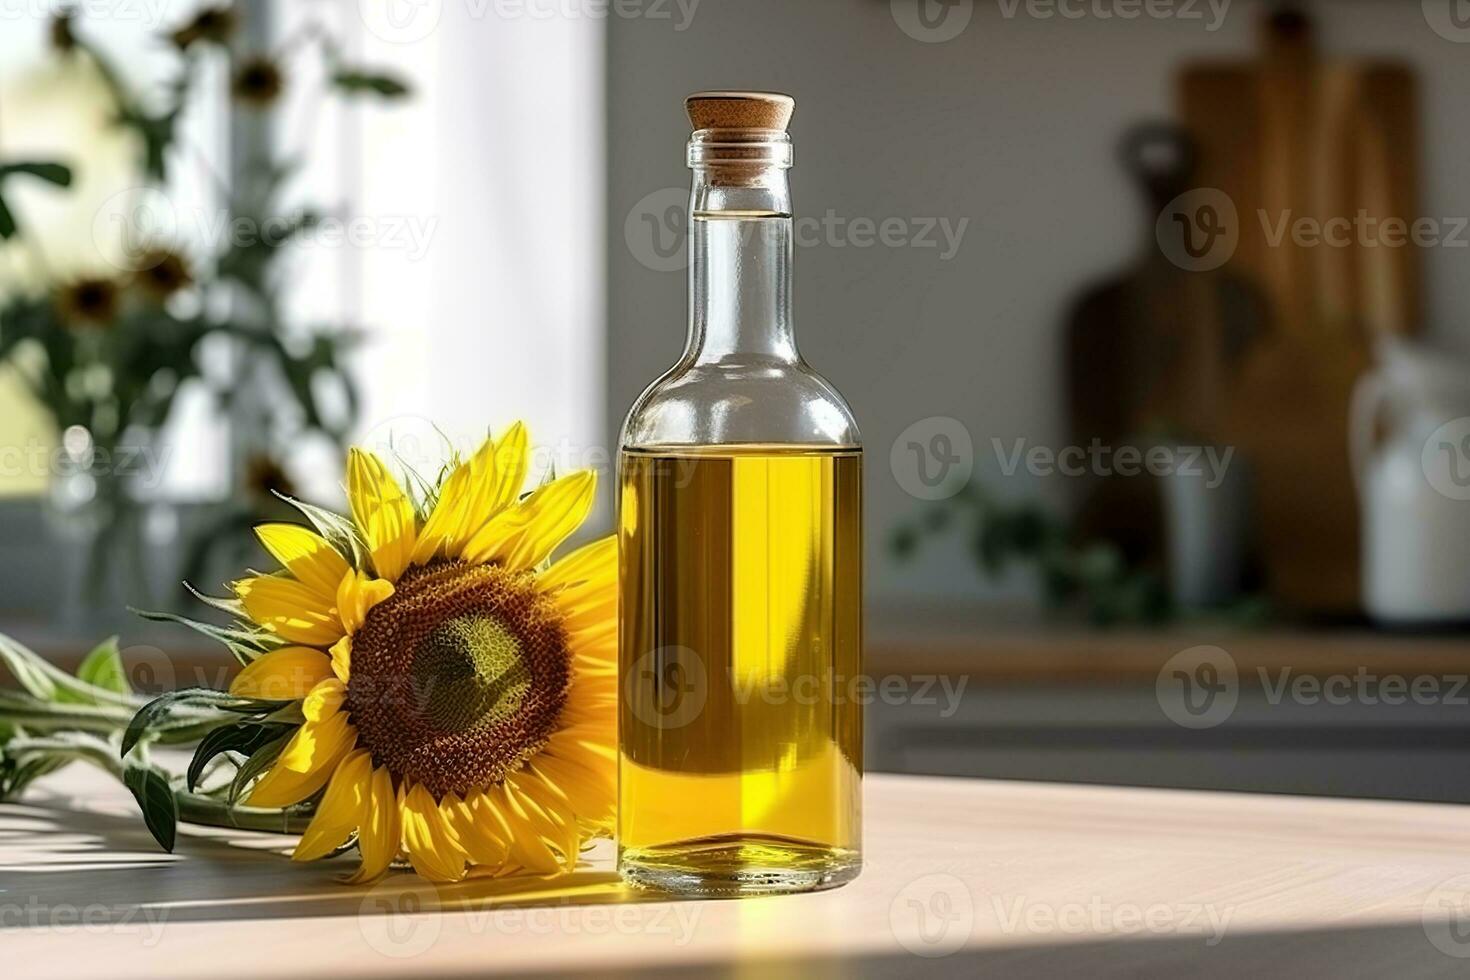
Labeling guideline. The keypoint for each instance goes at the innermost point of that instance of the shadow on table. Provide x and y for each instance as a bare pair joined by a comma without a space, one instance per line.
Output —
53,856
1364,952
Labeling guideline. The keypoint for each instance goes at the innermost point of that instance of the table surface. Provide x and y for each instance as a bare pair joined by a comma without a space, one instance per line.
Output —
962,877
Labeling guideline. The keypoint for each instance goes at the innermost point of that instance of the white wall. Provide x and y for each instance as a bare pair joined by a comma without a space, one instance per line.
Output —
1012,124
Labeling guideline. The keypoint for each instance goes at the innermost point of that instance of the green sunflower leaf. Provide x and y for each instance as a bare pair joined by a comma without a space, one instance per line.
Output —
243,737
156,799
47,682
357,82
191,709
339,532
244,643
263,758
103,668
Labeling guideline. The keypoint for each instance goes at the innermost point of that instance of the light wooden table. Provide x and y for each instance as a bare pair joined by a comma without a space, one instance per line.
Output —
964,877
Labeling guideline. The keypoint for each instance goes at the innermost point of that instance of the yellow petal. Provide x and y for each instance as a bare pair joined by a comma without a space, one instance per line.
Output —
290,609
477,834
305,554
337,814
382,512
591,795
379,828
524,535
590,568
512,460
432,846
521,830
282,675
307,762
342,659
324,700
356,593
550,813
448,514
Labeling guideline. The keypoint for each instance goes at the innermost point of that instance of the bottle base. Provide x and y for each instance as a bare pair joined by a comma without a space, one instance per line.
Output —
736,865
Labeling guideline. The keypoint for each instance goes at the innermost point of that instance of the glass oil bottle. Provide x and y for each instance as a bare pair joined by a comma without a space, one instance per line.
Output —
740,537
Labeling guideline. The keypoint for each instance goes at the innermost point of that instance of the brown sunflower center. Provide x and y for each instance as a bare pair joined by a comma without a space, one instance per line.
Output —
460,677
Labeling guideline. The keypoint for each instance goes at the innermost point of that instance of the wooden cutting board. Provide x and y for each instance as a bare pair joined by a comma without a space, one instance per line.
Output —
1294,137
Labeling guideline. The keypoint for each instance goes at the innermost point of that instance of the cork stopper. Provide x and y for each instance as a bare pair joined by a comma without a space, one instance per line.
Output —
739,110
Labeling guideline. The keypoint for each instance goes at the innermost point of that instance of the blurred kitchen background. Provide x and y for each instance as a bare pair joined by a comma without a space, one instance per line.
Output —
1155,317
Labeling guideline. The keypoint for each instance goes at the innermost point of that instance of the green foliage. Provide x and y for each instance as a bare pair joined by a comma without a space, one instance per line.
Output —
52,173
1090,574
155,797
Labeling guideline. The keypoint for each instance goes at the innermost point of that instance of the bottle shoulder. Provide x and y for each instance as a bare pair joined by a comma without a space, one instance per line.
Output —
741,401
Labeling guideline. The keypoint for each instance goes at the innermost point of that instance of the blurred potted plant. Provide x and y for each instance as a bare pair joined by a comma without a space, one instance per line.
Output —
107,353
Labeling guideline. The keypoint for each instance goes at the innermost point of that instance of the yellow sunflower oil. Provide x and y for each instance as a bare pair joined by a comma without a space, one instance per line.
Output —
740,723
741,736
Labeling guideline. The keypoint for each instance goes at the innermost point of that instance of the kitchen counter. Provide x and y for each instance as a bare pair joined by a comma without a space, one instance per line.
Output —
963,876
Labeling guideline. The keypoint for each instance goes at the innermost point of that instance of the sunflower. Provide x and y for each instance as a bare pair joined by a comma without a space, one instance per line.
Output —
458,690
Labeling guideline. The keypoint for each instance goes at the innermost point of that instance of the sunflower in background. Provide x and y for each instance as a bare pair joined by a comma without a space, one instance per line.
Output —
456,690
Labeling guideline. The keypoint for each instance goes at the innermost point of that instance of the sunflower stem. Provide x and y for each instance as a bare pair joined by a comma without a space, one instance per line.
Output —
205,811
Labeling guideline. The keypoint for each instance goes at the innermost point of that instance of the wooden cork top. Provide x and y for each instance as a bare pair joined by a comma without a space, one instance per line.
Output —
739,110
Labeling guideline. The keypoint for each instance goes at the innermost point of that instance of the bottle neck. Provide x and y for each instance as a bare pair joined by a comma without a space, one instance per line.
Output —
740,256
